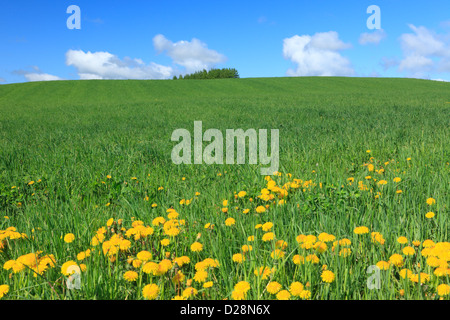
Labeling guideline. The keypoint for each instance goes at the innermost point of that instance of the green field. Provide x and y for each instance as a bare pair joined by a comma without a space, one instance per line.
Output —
74,154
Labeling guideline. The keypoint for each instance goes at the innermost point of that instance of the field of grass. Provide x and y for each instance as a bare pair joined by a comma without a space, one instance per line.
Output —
87,185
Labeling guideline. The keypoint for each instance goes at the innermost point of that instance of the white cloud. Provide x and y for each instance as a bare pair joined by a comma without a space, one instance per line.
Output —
424,52
193,55
104,65
36,75
373,37
422,42
441,80
41,77
317,55
416,64
2,80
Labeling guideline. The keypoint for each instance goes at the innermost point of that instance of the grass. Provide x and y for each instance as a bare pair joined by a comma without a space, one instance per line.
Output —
68,136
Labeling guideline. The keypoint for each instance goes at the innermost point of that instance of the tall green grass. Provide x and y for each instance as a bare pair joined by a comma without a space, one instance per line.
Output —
72,134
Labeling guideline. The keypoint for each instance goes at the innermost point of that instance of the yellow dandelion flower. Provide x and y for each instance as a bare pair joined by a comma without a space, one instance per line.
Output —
298,259
242,286
283,295
268,236
429,215
150,291
150,268
189,292
4,289
158,221
361,230
328,276
273,287
68,238
405,273
305,294
296,288
409,251
383,265
164,266
200,276
136,263
65,267
396,260
144,256
237,295
242,194
238,257
402,240
267,226
260,209
130,276
442,290
229,222
428,243
196,247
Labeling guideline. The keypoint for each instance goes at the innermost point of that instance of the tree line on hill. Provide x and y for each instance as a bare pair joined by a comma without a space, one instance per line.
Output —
211,74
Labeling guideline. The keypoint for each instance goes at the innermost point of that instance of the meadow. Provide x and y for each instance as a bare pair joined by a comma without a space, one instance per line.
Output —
92,207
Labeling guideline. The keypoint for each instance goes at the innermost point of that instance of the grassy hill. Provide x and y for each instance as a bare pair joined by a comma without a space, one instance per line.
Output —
75,153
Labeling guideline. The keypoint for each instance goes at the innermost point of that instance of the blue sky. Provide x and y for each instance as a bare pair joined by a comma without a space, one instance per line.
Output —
156,39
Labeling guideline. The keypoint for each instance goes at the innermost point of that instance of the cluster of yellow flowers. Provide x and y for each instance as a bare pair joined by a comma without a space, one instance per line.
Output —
157,252
437,257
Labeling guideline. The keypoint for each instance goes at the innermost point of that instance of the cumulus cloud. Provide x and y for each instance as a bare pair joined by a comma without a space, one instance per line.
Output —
41,77
424,52
36,75
104,65
423,42
416,64
372,37
193,55
317,55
